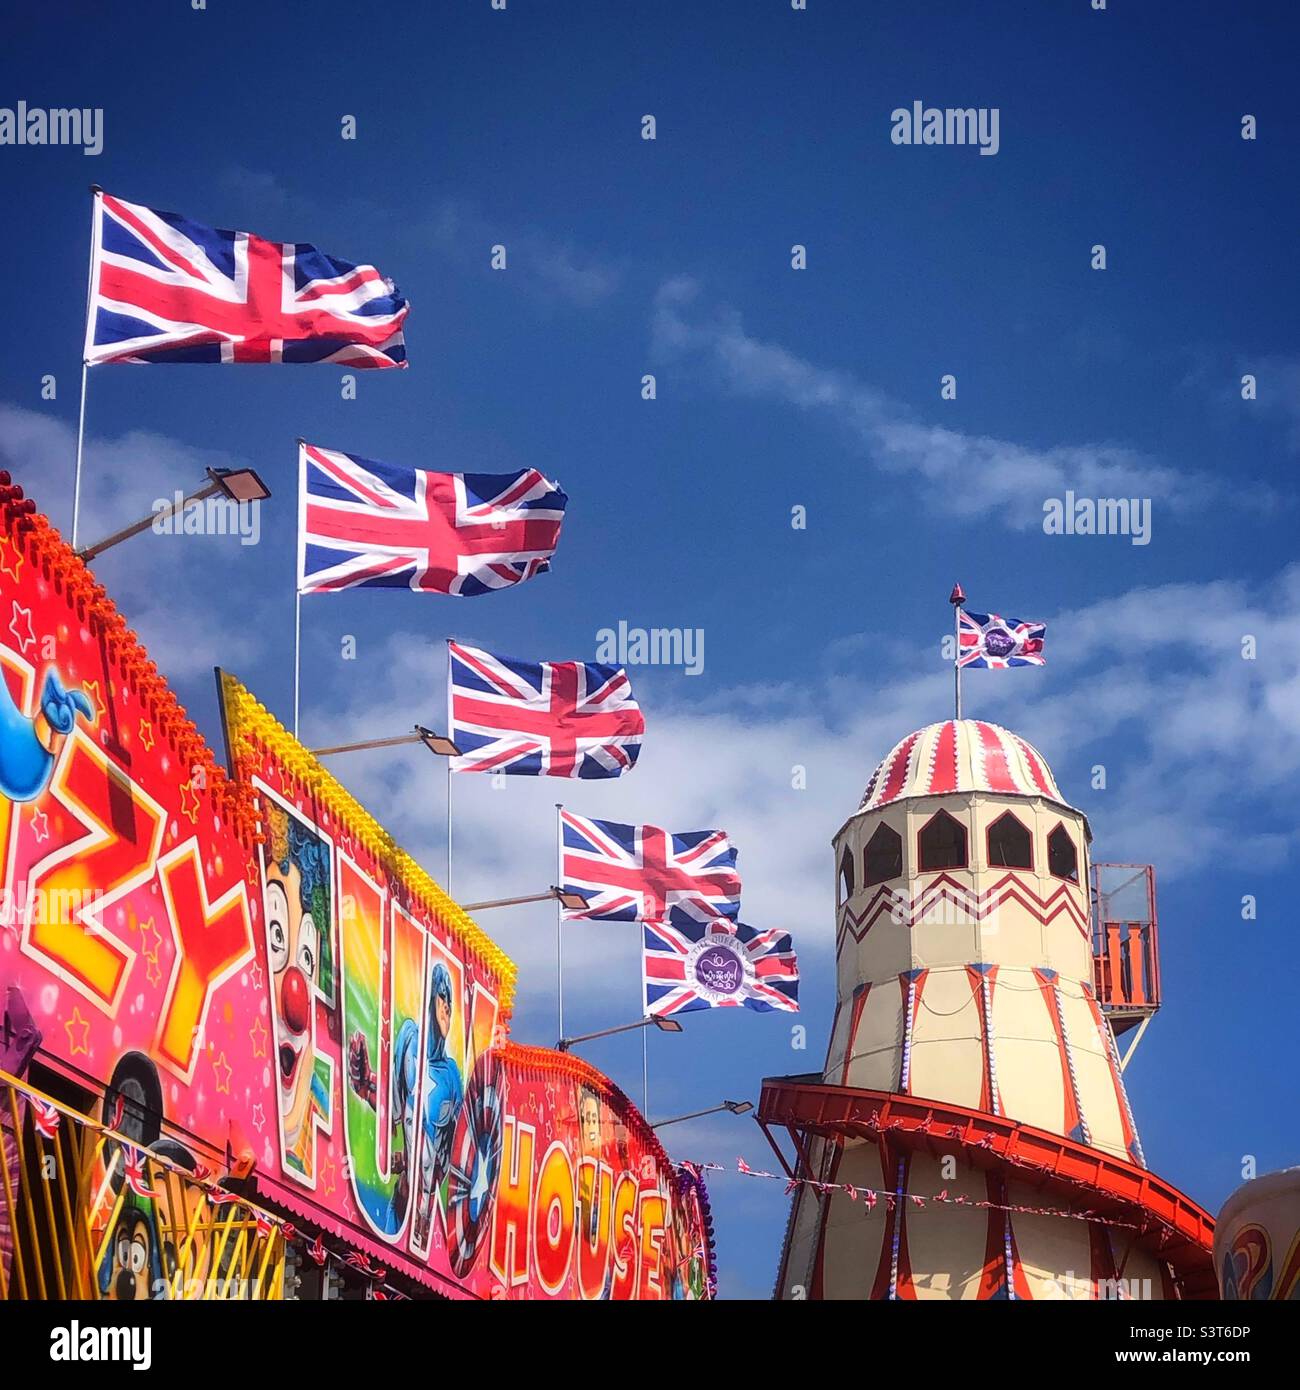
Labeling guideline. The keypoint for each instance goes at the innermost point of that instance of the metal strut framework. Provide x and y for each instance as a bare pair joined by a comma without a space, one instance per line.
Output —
1169,1225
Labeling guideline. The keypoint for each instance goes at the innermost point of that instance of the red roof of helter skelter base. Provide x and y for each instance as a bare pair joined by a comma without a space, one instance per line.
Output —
960,755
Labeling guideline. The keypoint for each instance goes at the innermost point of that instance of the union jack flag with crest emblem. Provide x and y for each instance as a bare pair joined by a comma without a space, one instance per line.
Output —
631,873
540,718
364,524
718,965
987,642
166,289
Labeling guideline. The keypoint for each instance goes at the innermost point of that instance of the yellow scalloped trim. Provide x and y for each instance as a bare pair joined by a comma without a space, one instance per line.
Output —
249,724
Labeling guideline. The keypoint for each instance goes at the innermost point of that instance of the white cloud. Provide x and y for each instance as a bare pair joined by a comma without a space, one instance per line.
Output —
965,475
551,268
1201,748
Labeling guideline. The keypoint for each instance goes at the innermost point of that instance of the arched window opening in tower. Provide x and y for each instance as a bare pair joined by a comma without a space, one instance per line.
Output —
1011,846
883,857
1062,857
943,843
846,876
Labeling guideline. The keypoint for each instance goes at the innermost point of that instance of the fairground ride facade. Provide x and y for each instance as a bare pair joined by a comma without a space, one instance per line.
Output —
248,1047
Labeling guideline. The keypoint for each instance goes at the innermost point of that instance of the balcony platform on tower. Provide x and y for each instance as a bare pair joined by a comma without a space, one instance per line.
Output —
1166,1223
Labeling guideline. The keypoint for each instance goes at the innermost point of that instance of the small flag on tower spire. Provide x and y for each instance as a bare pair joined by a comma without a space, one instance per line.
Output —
991,642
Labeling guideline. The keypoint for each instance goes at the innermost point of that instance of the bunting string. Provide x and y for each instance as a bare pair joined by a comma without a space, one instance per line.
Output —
869,1196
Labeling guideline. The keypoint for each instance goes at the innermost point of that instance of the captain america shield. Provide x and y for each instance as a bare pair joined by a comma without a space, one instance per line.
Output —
475,1162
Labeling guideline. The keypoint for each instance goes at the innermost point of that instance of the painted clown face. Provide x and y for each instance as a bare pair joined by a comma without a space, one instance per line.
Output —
293,950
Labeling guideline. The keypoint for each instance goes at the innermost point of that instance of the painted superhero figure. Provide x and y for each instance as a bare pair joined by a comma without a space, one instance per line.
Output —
405,1094
444,1091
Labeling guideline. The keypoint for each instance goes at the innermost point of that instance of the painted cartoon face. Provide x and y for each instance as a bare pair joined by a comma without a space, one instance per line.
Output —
589,1123
442,1010
292,947
129,1278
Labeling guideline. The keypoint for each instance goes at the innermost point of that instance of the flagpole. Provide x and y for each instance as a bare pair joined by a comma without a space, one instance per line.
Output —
956,664
297,589
645,1065
956,598
559,918
297,655
81,410
451,734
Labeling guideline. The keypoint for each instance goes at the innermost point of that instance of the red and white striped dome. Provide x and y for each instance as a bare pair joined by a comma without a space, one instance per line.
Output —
960,755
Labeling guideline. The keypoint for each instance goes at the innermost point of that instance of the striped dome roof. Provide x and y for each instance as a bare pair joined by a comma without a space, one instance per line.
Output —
960,755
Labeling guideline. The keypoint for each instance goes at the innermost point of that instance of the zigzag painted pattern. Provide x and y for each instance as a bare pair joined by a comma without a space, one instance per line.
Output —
886,901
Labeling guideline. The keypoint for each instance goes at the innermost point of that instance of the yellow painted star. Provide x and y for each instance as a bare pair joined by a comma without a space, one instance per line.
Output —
79,1045
148,929
11,562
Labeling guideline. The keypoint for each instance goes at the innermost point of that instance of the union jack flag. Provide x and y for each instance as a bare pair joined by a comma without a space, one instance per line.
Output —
541,718
988,642
637,873
374,525
45,1117
316,1249
165,289
136,1175
718,966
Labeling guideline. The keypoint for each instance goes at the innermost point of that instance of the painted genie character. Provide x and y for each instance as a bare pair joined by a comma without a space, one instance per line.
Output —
406,1090
29,748
298,951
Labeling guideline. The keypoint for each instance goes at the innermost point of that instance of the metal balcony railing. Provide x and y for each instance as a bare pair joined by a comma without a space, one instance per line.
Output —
1125,942
85,1214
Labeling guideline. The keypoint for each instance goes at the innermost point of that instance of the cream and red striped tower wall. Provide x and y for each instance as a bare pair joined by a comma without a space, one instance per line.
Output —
970,1057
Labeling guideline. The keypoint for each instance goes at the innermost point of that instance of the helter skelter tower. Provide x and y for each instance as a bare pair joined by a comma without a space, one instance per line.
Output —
973,1081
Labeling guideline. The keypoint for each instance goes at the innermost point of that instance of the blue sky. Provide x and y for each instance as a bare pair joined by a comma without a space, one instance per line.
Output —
776,388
